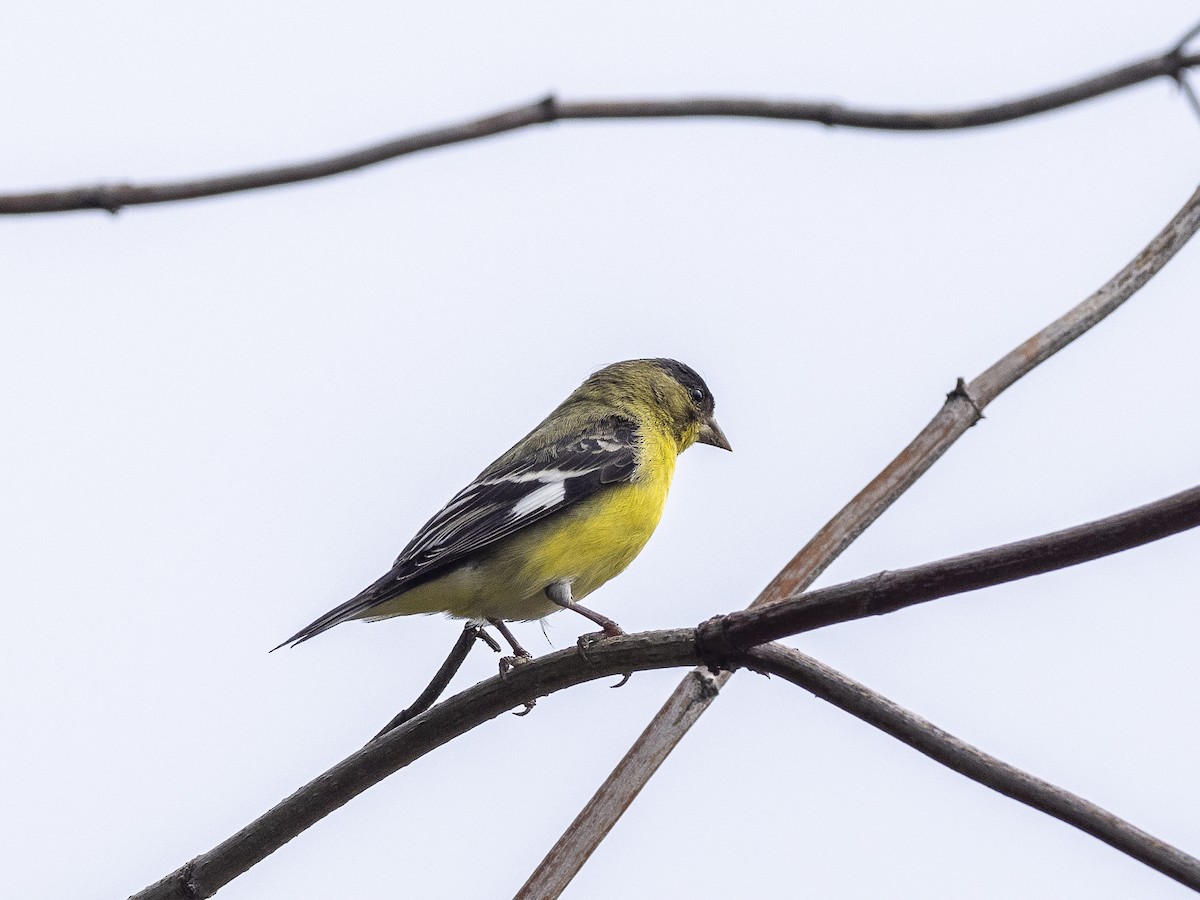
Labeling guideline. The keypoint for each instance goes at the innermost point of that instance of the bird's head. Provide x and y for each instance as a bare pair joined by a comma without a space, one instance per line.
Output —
665,389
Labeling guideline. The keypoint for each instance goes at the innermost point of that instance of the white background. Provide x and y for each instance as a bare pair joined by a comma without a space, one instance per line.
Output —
223,417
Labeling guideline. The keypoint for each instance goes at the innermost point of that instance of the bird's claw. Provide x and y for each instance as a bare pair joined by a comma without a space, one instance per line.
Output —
587,640
529,705
508,663
594,637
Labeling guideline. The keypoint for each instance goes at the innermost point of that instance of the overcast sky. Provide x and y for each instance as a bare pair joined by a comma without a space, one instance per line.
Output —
224,417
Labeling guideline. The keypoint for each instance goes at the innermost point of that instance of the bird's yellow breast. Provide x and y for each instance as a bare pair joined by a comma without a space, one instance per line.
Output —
585,544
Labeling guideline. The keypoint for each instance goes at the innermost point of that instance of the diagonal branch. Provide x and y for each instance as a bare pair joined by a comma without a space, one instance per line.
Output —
963,407
720,640
886,592
943,747
112,197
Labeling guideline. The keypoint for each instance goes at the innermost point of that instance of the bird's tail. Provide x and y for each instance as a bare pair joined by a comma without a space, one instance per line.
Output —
352,608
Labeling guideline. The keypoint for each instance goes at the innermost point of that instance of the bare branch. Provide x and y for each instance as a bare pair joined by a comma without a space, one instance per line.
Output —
886,592
471,633
963,407
112,197
206,874
943,747
718,641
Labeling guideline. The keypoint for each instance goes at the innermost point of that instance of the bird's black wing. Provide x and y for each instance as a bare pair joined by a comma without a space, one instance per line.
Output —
504,499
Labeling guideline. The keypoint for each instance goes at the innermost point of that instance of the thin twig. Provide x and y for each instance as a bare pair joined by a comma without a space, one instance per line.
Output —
112,197
1180,75
715,641
943,747
458,655
1185,88
1188,37
963,407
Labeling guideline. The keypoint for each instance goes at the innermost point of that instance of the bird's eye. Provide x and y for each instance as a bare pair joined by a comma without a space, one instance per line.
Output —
697,395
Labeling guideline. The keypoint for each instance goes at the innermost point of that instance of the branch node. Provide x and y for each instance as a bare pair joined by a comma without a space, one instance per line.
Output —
105,197
962,392
713,646
829,114
549,108
187,882
878,583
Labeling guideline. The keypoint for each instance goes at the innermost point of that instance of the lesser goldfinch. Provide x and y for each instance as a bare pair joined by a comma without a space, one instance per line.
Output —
558,515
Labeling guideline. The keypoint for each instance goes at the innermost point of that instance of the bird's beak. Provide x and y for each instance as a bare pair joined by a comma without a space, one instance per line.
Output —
711,433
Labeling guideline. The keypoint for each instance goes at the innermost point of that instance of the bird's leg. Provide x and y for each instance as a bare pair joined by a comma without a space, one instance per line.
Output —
520,654
507,634
560,595
458,654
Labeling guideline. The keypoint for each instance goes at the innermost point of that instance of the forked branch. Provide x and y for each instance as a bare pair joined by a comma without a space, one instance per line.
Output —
719,641
962,409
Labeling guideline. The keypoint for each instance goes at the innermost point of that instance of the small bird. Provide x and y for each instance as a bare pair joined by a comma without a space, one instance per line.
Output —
558,515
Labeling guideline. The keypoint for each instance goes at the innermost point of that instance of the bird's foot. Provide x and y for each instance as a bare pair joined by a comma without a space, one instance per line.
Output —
589,640
508,663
